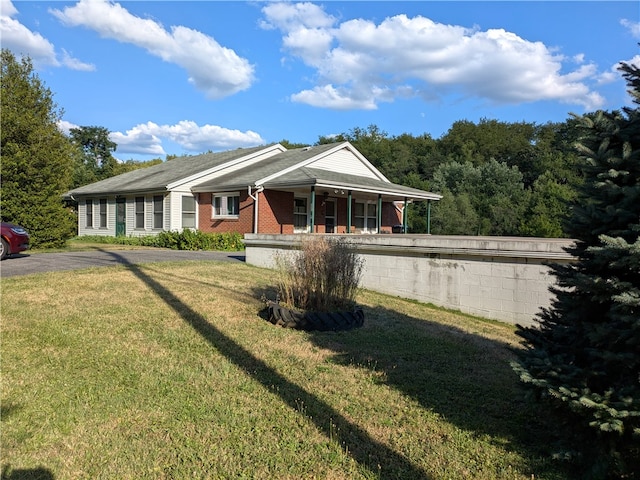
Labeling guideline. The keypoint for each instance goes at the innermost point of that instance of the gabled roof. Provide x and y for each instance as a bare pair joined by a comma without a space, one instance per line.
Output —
269,166
295,169
158,177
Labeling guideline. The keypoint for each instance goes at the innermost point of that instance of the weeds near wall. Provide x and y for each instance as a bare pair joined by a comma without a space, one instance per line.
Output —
323,276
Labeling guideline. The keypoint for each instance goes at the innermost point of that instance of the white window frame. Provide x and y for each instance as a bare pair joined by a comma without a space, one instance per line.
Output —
366,218
136,213
190,213
306,228
103,216
224,205
155,213
88,213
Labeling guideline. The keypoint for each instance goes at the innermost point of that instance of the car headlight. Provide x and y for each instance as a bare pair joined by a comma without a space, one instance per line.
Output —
19,230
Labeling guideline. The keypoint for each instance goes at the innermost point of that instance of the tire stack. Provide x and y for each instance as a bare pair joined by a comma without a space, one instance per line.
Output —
314,321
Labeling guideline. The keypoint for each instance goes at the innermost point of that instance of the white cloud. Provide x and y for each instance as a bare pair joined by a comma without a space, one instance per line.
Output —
633,27
23,42
360,63
65,127
212,68
146,138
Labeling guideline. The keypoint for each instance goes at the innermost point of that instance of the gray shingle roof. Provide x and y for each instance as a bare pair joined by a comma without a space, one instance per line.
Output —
251,174
157,177
306,176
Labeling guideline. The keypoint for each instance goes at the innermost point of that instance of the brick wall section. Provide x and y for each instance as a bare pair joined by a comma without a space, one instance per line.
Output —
390,217
243,224
275,214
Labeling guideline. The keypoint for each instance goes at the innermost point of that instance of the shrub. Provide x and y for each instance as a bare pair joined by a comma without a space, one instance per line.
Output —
322,276
185,240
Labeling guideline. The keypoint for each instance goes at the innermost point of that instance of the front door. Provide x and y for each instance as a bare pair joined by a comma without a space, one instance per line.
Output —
121,217
330,216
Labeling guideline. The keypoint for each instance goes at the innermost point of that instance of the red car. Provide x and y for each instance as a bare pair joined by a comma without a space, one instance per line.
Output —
14,239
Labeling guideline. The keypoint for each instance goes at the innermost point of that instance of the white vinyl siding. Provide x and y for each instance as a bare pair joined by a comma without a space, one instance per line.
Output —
93,205
343,161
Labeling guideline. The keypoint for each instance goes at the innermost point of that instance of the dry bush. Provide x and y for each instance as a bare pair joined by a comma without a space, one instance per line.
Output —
322,276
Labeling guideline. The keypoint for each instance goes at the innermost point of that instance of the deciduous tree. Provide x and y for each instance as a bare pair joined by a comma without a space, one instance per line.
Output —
95,161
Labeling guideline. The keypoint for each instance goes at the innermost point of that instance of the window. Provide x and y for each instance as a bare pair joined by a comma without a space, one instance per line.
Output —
188,212
365,217
158,211
300,215
139,212
226,205
103,213
89,213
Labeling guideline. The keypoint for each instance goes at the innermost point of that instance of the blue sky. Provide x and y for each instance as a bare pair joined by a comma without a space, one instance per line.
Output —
173,77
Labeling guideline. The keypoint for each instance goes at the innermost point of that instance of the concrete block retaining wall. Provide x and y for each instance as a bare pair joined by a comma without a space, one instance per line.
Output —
502,278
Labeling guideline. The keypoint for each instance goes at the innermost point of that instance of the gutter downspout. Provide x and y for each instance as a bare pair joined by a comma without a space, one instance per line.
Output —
255,205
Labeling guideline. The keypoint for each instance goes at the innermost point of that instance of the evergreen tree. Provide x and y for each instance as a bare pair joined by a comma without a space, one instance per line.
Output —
584,358
36,156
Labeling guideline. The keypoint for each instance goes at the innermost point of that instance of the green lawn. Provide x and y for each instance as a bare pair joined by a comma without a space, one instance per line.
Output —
170,371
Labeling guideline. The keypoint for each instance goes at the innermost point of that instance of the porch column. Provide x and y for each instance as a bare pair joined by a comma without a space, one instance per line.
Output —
349,212
428,217
379,213
312,218
404,216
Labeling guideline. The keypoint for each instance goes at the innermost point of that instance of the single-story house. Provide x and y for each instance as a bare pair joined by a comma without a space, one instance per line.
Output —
328,188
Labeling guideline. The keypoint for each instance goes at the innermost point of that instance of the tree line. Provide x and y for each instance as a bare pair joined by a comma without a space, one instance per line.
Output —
496,178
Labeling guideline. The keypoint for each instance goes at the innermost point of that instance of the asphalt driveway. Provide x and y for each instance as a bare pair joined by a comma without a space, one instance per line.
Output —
25,263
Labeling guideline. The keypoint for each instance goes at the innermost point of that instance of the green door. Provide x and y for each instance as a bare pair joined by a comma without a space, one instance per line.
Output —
121,217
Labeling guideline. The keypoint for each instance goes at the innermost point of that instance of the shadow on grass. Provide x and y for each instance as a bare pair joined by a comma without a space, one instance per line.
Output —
355,442
39,473
465,378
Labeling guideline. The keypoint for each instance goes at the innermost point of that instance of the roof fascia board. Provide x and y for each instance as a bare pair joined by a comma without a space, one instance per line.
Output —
390,191
223,166
341,186
115,193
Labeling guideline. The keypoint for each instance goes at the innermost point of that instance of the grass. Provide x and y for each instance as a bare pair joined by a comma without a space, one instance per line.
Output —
169,371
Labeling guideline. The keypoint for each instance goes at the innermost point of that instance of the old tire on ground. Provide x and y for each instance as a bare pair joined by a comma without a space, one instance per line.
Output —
314,321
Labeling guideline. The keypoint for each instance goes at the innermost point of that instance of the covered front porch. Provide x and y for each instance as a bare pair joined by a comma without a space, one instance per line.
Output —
322,206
